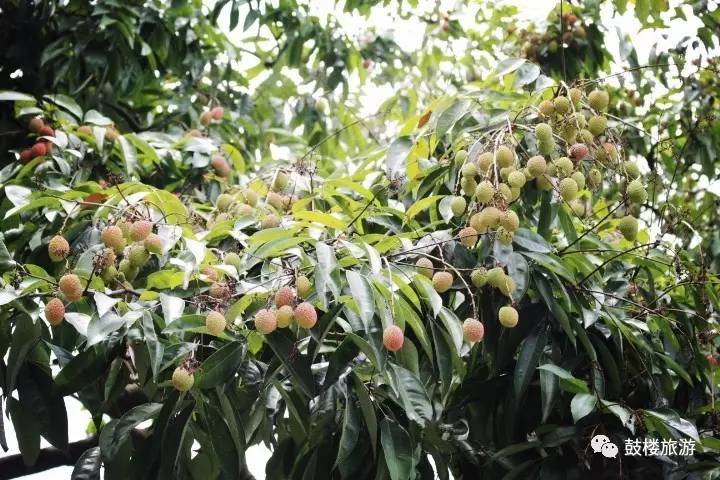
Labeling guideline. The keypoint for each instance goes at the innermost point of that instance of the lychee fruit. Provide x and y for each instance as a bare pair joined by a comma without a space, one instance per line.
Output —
504,156
484,192
579,179
58,248
562,105
112,134
484,161
270,221
568,189
26,155
575,95
495,276
597,124
457,206
507,286
182,379
510,221
631,169
250,196
284,296
473,330
205,118
565,166
594,177
547,108
113,237
140,230
224,201
221,166
468,185
46,132
303,286
598,100
469,170
468,237
215,323
543,132
579,151
153,244
284,316
504,236
138,256
508,317
71,287
536,166
54,312
217,113
275,200
265,321
424,267
478,277
305,315
442,281
461,156
628,226
516,179
38,150
281,181
218,290
128,270
35,124
393,338
636,192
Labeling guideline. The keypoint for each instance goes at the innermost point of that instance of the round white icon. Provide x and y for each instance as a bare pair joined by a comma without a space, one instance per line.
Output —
602,444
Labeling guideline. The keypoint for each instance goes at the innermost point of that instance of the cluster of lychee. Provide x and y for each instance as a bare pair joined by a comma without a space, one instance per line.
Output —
246,202
42,146
135,241
288,308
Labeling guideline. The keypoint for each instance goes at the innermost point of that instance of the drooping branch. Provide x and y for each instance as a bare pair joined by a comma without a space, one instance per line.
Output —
13,466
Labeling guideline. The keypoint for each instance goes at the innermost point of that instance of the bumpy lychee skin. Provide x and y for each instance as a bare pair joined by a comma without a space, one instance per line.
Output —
205,118
218,290
628,226
425,267
182,379
495,276
281,181
284,316
636,192
284,296
597,124
516,179
303,286
478,277
568,189
468,237
215,323
140,230
564,166
579,151
631,169
468,185
224,201
504,156
473,330
113,238
220,165
547,108
393,338
536,166
575,95
71,287
138,256
510,221
504,236
484,192
58,248
469,170
270,221
508,317
543,132
275,200
39,150
442,281
562,105
35,124
305,315
153,244
594,178
507,286
251,197
484,161
54,312
46,132
598,100
457,206
265,321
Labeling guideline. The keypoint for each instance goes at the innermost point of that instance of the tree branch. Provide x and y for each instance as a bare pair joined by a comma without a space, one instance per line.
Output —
14,467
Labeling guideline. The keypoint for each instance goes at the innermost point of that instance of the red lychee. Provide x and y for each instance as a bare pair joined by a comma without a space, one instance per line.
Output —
393,338
54,312
305,315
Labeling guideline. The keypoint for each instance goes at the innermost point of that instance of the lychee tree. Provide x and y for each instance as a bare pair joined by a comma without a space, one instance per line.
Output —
481,294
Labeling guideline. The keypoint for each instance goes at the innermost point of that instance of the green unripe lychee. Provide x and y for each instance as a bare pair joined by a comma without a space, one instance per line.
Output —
575,95
153,244
594,178
562,105
505,172
495,276
270,221
303,285
564,166
424,267
636,192
547,108
585,136
284,316
224,201
469,170
442,281
468,185
505,191
507,286
543,183
631,169
281,181
215,323
569,132
250,196
579,179
628,226
484,192
128,270
457,206
598,100
484,161
461,156
516,179
597,125
568,189
109,273
182,379
510,221
546,147
508,317
478,277
536,166
504,236
504,156
580,120
138,256
543,132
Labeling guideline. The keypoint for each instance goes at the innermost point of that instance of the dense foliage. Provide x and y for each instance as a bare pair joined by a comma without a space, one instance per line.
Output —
510,270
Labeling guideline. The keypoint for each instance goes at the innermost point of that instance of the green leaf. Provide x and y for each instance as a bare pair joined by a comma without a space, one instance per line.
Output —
83,370
154,346
397,448
671,419
397,155
282,342
27,430
368,410
519,271
571,383
349,436
9,96
449,117
581,405
221,366
420,205
131,419
88,465
531,241
413,397
363,296
428,293
527,361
